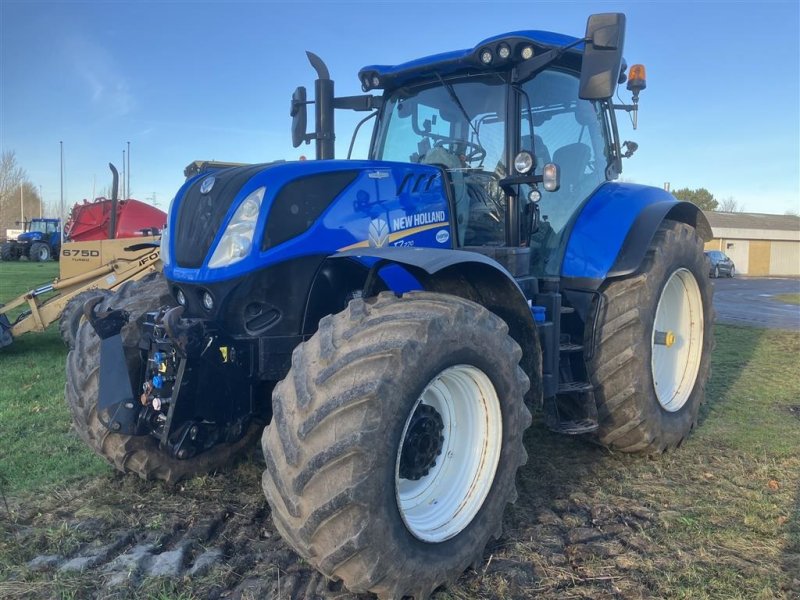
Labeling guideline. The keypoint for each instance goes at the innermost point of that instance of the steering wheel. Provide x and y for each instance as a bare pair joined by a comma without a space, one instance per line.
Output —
472,151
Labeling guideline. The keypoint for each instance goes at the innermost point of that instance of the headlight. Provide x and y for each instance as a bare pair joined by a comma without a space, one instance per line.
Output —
237,240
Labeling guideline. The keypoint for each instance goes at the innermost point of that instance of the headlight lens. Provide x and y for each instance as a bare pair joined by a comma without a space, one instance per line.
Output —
237,241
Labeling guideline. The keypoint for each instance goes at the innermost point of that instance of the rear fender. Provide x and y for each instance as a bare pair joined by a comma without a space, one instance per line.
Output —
470,276
612,233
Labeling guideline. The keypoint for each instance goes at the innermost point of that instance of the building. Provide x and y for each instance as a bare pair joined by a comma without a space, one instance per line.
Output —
758,244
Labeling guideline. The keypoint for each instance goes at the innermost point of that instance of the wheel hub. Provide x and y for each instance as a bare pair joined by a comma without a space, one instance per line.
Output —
423,443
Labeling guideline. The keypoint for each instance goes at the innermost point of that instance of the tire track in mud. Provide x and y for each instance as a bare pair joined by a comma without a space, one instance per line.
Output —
213,538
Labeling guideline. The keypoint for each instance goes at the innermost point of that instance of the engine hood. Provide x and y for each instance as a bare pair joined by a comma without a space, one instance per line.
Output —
308,208
30,236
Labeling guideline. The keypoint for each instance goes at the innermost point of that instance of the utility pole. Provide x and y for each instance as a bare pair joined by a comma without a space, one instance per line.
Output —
123,176
61,206
128,187
21,206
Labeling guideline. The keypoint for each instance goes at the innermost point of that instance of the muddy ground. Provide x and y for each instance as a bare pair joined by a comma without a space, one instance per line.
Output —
588,524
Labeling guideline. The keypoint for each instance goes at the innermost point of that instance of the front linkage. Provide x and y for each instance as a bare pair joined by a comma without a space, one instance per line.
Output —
185,367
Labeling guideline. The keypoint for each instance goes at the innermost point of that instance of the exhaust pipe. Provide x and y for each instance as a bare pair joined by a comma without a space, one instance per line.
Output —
112,223
323,105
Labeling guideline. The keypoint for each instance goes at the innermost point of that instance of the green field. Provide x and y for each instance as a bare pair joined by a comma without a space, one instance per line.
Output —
788,298
718,518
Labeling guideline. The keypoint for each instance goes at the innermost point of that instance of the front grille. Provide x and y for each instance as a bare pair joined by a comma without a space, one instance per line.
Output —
200,215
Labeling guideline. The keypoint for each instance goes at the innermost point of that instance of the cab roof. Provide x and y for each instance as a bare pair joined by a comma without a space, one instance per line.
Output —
469,60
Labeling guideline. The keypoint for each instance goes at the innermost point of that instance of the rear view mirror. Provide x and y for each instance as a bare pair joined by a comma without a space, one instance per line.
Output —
299,114
602,56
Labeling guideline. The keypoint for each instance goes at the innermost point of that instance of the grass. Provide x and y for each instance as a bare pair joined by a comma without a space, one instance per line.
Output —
787,298
718,518
37,447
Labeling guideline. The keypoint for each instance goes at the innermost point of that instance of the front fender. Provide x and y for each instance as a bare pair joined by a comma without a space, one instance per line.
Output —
474,277
611,234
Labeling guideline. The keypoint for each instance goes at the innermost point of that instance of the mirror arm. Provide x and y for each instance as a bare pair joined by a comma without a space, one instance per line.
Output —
359,103
508,183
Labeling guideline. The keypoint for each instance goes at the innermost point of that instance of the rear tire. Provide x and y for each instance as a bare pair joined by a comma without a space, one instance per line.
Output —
133,454
72,315
343,448
39,252
648,404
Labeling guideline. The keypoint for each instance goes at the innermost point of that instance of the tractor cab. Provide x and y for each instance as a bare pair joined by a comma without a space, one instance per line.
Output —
522,124
38,228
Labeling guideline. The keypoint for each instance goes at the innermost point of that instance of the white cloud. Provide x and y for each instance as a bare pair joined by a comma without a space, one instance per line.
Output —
107,87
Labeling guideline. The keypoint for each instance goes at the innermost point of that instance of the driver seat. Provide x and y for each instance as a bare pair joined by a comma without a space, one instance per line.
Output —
572,160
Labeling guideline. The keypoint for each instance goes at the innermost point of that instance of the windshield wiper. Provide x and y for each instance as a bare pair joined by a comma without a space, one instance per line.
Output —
460,106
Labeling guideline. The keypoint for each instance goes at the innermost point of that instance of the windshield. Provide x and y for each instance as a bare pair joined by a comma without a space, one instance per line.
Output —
459,126
38,226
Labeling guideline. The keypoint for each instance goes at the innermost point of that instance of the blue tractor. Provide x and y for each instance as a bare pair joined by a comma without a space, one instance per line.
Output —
40,242
386,326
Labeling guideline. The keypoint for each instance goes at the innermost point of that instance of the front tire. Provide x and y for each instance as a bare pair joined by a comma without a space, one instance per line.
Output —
653,346
375,474
139,454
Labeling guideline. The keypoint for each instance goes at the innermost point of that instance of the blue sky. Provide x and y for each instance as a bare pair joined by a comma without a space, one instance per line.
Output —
211,80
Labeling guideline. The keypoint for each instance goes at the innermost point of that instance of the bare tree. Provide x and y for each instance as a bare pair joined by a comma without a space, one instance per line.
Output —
18,196
730,204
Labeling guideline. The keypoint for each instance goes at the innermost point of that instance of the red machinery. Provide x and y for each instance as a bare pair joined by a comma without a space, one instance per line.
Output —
106,219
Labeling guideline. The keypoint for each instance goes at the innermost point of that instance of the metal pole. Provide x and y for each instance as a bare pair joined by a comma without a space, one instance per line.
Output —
21,206
123,175
128,186
41,202
61,206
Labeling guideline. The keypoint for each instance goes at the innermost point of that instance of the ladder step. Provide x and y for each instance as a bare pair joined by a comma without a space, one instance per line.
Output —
565,310
570,347
566,387
575,427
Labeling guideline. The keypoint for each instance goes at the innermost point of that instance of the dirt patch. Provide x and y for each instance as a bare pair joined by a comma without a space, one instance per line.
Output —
587,525
794,411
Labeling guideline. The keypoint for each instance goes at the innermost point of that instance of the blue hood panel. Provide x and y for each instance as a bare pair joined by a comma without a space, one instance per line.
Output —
387,204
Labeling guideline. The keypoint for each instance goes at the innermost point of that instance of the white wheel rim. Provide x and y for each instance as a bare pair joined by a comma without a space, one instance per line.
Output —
439,505
675,365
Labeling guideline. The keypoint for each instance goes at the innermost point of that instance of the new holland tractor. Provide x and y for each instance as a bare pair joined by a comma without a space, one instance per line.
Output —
386,326
40,241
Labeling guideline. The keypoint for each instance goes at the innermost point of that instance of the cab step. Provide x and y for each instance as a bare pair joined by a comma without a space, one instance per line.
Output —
571,387
575,427
570,347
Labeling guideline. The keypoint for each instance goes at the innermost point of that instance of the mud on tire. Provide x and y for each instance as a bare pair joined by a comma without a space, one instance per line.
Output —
132,454
631,417
332,449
